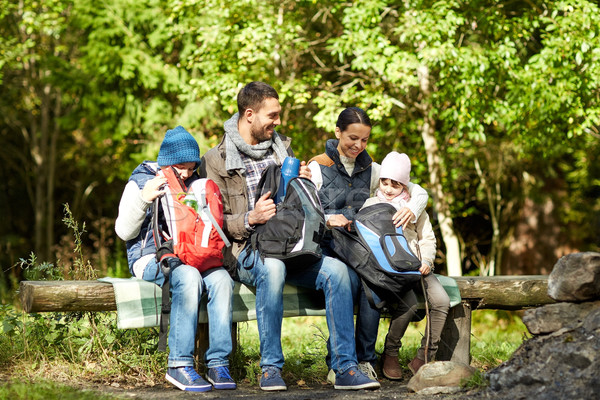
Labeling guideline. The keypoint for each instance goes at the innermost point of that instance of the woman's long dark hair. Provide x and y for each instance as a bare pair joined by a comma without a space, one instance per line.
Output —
352,115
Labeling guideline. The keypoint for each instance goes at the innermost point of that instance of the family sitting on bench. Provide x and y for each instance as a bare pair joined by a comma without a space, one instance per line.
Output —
346,177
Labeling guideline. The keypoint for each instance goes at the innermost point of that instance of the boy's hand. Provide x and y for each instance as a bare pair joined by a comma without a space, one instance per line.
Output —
403,217
264,210
152,188
304,171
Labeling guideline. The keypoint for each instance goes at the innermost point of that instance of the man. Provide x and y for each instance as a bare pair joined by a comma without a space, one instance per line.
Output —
179,150
249,145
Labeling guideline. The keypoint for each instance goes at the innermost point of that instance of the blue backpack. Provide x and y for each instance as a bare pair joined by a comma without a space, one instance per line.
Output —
379,253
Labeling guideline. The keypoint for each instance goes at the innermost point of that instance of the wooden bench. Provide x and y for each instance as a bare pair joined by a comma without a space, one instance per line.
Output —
477,292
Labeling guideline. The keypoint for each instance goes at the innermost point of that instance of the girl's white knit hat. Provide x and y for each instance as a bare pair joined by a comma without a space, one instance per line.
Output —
396,166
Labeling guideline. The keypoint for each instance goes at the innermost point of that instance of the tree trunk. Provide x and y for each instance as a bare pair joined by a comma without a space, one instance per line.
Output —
453,253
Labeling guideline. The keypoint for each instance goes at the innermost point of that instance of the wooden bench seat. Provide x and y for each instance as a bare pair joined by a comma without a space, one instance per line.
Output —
477,292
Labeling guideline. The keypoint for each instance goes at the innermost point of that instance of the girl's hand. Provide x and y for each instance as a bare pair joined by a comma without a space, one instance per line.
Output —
403,217
425,269
338,220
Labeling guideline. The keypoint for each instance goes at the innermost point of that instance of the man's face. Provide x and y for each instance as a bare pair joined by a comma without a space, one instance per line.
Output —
264,120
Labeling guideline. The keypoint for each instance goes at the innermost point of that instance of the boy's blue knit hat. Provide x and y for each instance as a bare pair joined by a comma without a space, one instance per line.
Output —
178,147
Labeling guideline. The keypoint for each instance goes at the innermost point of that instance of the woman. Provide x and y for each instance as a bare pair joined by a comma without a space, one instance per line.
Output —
346,177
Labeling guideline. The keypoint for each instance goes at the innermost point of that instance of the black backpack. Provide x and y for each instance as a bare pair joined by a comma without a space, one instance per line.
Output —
379,253
293,234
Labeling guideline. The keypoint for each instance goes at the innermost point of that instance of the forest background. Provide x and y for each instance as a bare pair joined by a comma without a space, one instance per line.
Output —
496,102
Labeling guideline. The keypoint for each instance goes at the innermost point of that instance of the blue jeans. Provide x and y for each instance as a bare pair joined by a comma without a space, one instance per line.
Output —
329,275
367,322
187,287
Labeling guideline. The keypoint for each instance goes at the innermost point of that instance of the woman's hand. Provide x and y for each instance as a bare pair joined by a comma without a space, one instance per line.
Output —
336,220
403,217
152,188
425,269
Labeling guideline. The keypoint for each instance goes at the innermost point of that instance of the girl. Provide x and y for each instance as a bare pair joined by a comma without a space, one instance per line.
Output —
393,188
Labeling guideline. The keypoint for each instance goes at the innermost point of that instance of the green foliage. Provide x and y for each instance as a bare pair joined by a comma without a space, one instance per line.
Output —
44,390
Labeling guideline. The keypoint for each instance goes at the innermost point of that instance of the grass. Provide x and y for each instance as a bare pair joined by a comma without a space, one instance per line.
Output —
56,350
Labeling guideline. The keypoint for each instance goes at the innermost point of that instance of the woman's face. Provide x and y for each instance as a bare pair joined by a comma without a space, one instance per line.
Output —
353,140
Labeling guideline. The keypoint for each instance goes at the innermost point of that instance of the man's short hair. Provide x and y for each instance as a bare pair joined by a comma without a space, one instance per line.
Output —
253,94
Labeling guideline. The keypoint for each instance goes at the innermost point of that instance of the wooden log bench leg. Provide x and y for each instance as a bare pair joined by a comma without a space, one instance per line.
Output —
455,343
202,343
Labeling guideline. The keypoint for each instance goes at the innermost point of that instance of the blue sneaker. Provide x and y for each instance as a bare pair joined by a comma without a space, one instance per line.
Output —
354,379
220,378
186,378
271,379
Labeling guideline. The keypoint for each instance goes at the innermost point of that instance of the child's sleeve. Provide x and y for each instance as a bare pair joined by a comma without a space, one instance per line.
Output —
132,212
418,200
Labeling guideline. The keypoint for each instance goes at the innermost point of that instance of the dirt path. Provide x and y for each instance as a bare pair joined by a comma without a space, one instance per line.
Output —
389,390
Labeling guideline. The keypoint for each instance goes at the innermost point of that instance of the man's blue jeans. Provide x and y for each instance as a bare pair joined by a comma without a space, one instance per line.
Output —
329,275
187,287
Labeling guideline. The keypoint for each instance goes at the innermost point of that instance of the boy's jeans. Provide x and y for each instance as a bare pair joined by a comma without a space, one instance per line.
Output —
187,286
329,275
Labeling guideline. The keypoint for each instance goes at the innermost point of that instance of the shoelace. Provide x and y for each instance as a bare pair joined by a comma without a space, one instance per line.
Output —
191,372
271,372
222,372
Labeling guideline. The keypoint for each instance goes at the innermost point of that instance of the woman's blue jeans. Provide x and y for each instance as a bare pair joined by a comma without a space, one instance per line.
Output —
187,288
329,275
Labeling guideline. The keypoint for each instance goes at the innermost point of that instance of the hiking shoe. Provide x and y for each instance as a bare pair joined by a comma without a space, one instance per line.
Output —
367,368
354,379
390,367
220,378
331,377
415,365
186,378
271,379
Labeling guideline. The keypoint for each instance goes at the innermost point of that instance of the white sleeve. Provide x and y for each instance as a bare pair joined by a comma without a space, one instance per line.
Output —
418,200
375,171
132,211
315,171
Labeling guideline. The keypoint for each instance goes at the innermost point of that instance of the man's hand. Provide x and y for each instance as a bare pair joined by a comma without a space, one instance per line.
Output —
338,220
152,188
403,217
263,211
304,171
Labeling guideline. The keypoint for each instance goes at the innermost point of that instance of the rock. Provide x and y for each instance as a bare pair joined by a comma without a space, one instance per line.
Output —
561,365
440,377
553,317
575,277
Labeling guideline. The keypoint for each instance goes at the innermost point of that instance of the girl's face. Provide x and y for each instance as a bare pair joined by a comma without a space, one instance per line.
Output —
390,188
353,140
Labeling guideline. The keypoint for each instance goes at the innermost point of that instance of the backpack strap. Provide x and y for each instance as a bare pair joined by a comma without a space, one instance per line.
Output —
212,219
369,293
164,250
322,159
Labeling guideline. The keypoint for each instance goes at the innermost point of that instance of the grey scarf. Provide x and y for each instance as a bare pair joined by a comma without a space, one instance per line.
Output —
234,145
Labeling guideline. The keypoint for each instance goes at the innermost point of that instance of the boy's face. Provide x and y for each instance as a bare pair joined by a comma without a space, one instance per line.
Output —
390,188
185,170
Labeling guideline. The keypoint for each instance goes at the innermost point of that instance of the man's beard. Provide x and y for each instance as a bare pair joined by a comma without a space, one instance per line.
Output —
260,134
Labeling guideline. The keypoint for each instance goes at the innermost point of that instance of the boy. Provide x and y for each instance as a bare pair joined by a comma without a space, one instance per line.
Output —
179,150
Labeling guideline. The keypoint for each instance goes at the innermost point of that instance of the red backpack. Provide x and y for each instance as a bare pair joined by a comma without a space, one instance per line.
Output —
194,217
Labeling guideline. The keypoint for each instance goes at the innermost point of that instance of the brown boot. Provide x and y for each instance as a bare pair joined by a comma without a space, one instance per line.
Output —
391,367
415,365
